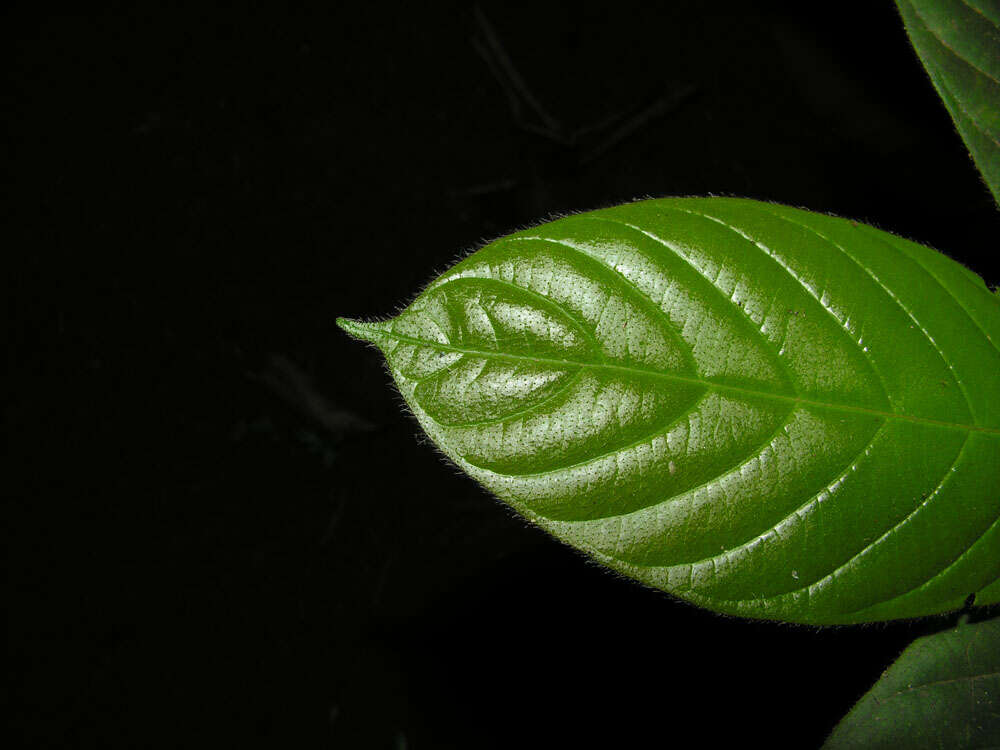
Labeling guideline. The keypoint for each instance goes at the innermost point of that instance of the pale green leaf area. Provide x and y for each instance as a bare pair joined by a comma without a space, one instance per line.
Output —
764,411
943,692
958,42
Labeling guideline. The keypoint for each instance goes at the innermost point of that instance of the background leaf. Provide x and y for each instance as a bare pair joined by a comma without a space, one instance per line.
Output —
943,691
765,411
959,44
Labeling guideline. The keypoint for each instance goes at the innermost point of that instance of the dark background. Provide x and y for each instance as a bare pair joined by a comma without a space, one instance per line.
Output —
223,529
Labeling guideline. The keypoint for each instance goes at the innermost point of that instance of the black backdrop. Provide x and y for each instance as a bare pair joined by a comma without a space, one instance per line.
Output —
222,529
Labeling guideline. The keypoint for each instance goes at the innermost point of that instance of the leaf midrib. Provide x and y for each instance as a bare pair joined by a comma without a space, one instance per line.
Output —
689,379
938,683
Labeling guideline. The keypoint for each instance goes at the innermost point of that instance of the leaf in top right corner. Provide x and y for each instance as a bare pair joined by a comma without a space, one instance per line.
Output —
958,42
942,692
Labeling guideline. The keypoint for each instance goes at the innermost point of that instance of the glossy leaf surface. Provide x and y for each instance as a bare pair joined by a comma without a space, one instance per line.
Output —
765,411
958,42
943,691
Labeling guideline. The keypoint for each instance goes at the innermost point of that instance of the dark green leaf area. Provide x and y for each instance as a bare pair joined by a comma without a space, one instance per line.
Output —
958,42
765,411
942,692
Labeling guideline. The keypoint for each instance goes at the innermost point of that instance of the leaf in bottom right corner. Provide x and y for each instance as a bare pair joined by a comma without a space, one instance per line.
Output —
942,692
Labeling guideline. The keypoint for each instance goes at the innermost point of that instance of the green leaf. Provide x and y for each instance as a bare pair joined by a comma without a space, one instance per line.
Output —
942,692
958,42
764,411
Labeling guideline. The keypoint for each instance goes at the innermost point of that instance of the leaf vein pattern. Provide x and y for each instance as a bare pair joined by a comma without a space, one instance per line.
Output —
948,47
958,302
433,321
821,582
936,576
749,456
955,102
489,319
665,323
697,381
895,529
951,99
547,302
806,506
468,385
809,290
888,292
937,683
708,282
986,18
653,433
527,411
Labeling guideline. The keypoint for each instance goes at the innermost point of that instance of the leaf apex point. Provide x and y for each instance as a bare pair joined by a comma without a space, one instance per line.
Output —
359,329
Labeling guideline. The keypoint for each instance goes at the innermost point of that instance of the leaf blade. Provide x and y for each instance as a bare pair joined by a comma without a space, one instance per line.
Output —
958,42
943,691
733,402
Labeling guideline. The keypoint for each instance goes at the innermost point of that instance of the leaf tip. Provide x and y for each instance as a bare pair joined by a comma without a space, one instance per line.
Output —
361,330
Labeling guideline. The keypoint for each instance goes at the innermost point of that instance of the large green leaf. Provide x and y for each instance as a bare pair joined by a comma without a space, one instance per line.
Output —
765,411
959,44
942,692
